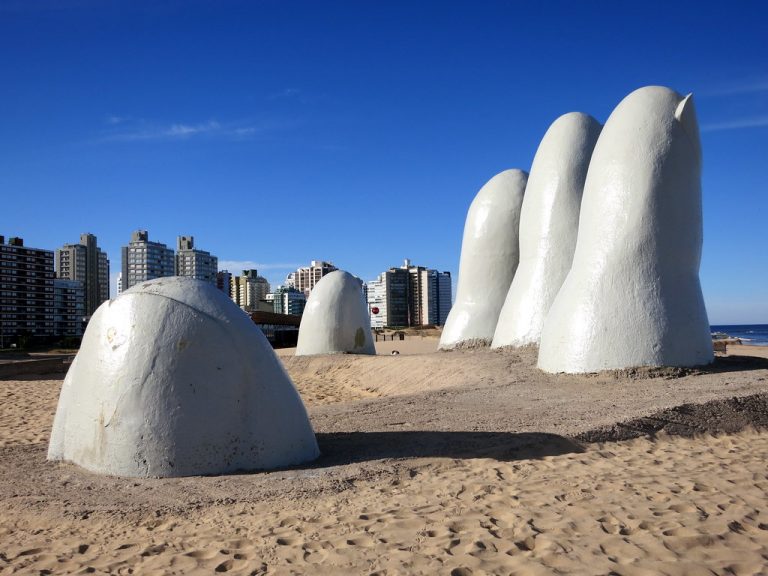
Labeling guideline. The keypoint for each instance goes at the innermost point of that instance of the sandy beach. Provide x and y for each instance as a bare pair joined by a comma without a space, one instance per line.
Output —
467,462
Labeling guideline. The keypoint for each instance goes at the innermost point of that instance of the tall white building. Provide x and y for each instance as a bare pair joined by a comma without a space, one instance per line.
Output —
306,277
409,296
376,296
144,260
195,263
248,289
434,297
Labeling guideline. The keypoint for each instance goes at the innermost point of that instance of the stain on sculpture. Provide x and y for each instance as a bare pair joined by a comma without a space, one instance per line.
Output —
549,223
632,297
489,257
172,379
335,319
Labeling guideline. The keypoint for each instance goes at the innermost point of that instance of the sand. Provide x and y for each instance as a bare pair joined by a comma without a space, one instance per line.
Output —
469,462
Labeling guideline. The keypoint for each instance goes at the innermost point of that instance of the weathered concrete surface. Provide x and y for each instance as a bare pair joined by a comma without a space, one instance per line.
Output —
549,224
632,297
335,319
489,258
172,379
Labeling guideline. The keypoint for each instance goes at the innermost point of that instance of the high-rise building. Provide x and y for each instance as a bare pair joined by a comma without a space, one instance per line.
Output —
429,297
119,283
409,296
249,289
197,264
224,281
68,307
144,260
388,299
376,297
26,291
86,263
435,297
306,277
288,300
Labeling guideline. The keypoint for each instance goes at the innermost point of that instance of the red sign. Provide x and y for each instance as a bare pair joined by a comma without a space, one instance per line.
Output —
375,310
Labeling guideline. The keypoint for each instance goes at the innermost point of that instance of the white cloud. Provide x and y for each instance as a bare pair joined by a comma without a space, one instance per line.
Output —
752,87
249,131
187,130
754,122
127,130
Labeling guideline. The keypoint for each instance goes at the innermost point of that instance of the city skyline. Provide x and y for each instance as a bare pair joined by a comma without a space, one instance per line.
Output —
280,133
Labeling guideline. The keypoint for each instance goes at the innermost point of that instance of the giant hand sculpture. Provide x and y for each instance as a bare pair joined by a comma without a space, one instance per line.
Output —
489,256
172,379
632,296
549,222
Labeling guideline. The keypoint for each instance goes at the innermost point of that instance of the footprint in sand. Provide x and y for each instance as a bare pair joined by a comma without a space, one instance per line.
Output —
315,556
154,550
30,552
202,554
288,541
362,541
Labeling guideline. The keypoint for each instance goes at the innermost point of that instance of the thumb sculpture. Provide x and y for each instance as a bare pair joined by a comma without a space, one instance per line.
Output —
172,379
489,257
632,297
549,223
335,319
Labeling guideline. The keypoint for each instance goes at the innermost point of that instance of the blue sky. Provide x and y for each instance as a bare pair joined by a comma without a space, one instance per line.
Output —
356,132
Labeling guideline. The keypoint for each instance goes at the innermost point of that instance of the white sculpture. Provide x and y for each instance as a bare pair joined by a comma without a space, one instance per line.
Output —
489,256
549,222
632,297
172,379
335,319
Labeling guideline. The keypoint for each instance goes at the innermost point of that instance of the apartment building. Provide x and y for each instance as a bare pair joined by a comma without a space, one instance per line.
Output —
249,289
194,263
306,277
88,264
26,291
288,300
409,296
144,260
68,307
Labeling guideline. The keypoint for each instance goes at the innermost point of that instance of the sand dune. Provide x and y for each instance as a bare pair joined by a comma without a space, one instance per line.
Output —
449,463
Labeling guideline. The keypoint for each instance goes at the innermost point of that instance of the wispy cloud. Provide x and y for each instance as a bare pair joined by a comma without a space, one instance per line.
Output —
122,129
742,87
188,130
738,124
285,93
237,266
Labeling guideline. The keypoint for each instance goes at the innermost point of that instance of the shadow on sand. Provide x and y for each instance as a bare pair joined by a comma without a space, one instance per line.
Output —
735,363
724,416
351,447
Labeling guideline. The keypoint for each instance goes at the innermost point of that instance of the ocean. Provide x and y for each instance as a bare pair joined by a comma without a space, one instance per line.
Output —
752,334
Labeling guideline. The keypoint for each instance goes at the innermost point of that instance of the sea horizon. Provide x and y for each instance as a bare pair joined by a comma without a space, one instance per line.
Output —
749,334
